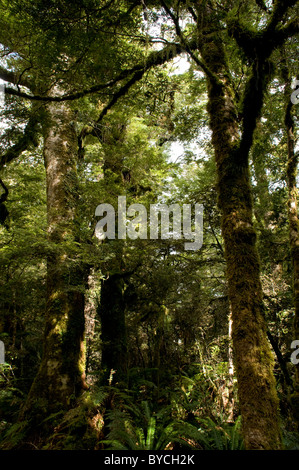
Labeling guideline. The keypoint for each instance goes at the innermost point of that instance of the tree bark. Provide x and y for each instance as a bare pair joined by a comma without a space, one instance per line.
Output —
111,308
230,385
60,378
253,358
111,312
293,231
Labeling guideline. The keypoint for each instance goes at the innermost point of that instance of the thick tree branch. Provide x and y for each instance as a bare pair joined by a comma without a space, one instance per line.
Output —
185,45
154,58
260,44
281,34
27,139
159,58
280,8
252,103
93,130
14,78
3,196
262,5
121,92
281,361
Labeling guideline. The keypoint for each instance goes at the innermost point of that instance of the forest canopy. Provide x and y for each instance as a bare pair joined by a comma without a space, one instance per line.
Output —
149,237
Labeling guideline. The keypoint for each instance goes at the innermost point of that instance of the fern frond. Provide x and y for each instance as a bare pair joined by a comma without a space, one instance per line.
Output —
150,433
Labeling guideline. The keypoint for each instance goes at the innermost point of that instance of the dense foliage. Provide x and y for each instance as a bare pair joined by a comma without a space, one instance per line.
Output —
138,343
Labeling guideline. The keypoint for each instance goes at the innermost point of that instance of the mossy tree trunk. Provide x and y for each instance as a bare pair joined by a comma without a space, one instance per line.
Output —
262,210
61,373
253,358
293,229
230,399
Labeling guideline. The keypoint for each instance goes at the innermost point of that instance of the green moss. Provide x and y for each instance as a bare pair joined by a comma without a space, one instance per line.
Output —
254,363
80,428
14,436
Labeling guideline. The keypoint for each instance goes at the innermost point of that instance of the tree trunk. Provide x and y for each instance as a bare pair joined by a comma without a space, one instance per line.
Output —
293,233
111,309
61,374
230,385
253,359
113,329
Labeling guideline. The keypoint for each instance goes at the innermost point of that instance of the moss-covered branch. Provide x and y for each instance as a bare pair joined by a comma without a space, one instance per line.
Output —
260,44
29,137
14,78
253,358
201,64
293,218
155,58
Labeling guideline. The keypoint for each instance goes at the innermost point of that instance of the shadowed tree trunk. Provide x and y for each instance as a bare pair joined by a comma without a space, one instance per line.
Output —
61,374
113,328
111,308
